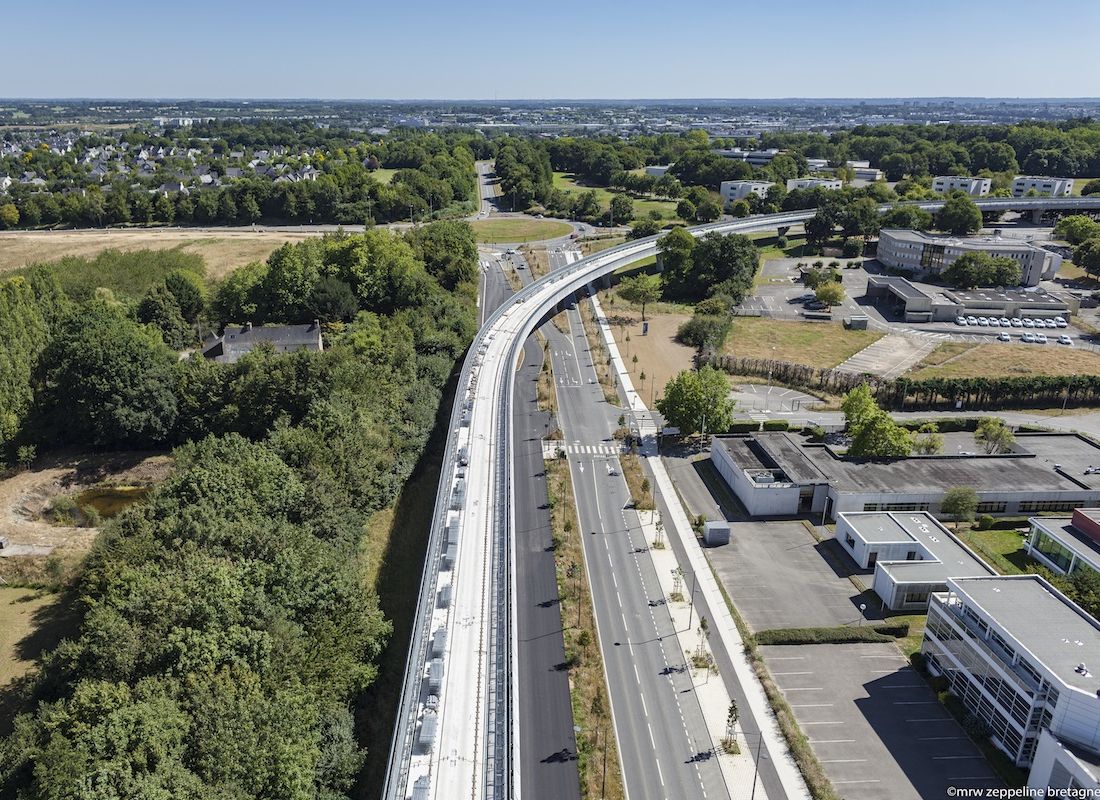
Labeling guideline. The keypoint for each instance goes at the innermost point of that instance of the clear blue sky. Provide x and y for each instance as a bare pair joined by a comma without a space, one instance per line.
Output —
560,49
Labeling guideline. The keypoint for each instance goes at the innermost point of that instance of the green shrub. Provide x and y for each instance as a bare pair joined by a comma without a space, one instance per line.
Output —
776,425
840,635
744,426
852,247
782,243
985,522
702,331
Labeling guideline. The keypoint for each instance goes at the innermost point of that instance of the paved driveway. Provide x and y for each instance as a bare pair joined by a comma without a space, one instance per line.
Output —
779,577
874,723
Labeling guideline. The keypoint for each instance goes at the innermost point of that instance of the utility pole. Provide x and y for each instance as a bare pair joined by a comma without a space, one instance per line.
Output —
756,764
691,600
603,781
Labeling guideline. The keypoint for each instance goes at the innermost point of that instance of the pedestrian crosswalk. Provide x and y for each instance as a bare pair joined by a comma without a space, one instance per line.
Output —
593,449
551,449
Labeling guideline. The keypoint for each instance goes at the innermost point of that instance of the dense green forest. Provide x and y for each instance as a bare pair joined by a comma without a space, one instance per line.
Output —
226,625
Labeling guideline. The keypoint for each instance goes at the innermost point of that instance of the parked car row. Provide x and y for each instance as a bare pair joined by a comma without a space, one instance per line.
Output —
1010,322
1033,338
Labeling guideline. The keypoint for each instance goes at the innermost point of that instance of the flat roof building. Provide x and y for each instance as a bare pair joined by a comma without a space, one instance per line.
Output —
732,191
657,170
784,474
811,183
1066,544
1023,185
923,253
757,158
916,304
1021,657
911,553
975,187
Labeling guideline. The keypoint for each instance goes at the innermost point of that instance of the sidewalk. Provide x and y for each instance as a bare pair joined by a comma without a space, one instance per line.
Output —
711,690
725,638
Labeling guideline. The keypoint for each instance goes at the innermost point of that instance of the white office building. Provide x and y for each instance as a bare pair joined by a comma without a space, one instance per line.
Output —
1065,545
911,553
757,158
732,191
810,183
975,187
926,254
1020,656
1022,185
861,170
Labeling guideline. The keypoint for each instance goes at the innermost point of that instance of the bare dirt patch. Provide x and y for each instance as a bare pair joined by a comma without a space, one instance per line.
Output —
660,356
222,250
25,497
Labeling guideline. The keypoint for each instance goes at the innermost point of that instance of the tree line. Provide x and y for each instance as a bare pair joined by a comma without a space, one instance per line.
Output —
904,394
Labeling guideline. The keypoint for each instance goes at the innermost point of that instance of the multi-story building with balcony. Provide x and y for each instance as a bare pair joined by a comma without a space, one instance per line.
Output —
1020,656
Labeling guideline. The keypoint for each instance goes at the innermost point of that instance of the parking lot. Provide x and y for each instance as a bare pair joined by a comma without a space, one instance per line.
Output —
874,723
778,576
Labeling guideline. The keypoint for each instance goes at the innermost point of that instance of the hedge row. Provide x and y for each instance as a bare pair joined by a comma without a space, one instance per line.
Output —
839,635
1037,391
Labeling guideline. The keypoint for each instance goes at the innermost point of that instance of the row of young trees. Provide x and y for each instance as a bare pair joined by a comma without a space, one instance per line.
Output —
225,623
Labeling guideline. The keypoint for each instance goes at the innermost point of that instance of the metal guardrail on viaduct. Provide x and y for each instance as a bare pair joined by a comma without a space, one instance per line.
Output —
453,735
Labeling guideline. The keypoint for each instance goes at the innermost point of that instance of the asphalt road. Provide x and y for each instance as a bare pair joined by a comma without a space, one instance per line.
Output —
486,183
664,744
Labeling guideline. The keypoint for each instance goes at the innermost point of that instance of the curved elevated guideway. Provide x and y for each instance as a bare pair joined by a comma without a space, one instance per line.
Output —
453,735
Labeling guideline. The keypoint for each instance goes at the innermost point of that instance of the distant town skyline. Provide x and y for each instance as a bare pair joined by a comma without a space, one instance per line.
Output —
566,50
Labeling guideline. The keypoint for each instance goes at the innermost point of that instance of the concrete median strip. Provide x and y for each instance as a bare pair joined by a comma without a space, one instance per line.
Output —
724,630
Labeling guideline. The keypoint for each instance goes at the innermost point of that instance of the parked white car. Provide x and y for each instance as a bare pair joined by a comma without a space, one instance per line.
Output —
1029,323
960,321
1040,338
1063,339
982,321
1004,336
1050,323
1016,322
971,320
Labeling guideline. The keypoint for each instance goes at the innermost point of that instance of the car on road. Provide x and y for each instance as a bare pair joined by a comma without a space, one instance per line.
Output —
960,321
1029,323
1004,336
1017,322
1063,339
1040,338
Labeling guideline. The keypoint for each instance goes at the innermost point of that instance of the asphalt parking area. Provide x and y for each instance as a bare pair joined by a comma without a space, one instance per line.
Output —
875,725
778,576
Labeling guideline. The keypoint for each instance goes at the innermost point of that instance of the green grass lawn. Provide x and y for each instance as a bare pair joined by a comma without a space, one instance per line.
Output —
383,175
1079,184
642,206
509,230
1002,549
818,344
